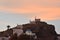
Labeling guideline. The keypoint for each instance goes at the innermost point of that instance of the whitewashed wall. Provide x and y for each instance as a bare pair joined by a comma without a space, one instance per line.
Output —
18,31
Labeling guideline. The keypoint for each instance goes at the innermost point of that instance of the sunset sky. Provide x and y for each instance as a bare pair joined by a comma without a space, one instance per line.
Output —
13,12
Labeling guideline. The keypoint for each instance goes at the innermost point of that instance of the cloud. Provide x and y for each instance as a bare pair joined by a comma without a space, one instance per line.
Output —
45,9
22,3
44,13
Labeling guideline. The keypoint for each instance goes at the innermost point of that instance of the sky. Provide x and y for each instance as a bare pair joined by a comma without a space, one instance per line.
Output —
13,12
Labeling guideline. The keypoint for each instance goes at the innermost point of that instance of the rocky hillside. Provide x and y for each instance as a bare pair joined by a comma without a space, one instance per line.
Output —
42,30
35,30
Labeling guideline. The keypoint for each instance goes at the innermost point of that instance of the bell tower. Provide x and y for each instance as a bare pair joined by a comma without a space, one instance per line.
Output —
37,20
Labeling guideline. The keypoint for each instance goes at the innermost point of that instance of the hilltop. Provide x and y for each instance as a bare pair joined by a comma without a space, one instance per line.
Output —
35,30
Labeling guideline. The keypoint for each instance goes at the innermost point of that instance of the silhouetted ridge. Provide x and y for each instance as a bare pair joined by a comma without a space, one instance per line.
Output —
42,30
35,30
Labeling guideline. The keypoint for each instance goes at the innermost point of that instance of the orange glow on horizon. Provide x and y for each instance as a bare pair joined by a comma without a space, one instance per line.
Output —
42,12
45,9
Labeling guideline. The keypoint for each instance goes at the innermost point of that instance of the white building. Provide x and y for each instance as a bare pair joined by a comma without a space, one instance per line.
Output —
18,30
